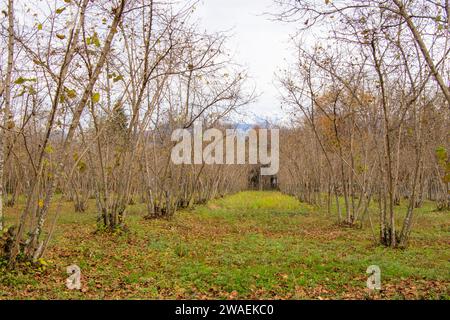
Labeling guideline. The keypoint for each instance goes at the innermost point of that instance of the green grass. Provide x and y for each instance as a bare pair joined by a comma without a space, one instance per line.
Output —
251,245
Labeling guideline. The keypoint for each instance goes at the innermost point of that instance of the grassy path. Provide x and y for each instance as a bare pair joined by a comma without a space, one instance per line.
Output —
258,245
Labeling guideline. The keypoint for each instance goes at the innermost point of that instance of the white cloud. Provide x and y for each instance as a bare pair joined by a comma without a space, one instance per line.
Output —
259,43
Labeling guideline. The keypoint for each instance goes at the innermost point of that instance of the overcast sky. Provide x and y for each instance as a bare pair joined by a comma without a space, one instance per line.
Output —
257,42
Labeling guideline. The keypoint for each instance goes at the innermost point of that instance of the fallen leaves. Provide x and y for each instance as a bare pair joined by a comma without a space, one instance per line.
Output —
234,254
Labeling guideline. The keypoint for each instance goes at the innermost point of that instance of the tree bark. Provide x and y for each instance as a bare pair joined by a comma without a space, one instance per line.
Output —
424,49
7,110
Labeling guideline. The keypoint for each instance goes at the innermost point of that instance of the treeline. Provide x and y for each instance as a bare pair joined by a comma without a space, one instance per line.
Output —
370,109
91,94
92,91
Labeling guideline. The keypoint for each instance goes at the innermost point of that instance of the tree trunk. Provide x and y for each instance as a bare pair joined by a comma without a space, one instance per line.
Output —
7,110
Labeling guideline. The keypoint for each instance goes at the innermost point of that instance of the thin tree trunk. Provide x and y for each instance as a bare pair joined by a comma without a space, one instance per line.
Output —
387,147
7,110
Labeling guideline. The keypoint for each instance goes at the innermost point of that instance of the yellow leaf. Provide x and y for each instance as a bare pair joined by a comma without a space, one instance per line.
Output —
41,203
22,80
42,261
96,97
118,78
95,40
10,124
49,149
71,93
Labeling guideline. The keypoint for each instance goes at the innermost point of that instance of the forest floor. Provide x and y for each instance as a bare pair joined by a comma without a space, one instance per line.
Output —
251,245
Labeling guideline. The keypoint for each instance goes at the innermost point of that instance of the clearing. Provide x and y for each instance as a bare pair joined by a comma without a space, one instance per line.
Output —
251,245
